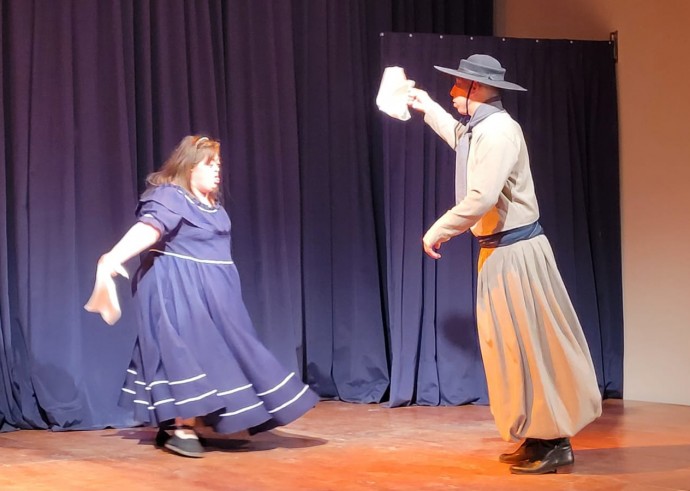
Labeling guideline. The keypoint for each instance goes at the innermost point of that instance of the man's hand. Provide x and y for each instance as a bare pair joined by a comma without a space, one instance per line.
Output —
418,99
431,249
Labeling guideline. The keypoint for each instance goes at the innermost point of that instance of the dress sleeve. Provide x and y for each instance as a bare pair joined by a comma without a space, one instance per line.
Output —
158,209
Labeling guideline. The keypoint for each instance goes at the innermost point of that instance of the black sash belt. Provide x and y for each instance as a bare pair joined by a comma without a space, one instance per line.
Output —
508,237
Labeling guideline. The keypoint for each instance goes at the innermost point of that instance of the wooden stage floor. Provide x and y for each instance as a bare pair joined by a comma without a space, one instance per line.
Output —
340,446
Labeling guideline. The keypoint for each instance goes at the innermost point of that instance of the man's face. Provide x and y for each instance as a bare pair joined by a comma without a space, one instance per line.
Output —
459,93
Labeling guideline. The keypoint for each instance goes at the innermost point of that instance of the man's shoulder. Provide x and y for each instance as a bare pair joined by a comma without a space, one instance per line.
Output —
500,121
497,128
502,117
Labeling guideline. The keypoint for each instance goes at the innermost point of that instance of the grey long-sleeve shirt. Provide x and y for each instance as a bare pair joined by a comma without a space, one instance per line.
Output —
500,190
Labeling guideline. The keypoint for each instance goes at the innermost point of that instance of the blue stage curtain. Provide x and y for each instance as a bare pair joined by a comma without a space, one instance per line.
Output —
94,97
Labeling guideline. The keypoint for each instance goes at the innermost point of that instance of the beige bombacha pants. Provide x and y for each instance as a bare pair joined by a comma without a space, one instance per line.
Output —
539,371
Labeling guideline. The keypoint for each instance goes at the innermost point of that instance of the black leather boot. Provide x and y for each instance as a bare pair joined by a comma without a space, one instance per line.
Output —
559,458
531,449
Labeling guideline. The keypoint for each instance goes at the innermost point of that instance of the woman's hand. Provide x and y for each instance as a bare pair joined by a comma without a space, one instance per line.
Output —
108,265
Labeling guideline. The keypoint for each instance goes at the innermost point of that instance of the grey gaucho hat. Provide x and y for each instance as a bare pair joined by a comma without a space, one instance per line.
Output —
484,69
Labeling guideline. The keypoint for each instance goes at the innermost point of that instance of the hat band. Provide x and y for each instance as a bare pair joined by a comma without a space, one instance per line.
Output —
481,71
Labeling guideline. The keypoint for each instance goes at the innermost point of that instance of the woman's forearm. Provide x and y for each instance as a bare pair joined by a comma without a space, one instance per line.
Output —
138,238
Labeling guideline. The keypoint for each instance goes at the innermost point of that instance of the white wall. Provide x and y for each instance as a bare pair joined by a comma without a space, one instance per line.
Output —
654,104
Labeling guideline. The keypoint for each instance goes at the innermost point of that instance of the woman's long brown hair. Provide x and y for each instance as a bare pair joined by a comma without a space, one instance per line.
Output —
178,168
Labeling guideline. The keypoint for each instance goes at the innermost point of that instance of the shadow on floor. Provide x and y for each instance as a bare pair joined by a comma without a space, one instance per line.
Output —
632,460
236,442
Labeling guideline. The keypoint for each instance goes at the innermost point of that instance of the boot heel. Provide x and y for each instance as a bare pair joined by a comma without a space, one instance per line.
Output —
565,469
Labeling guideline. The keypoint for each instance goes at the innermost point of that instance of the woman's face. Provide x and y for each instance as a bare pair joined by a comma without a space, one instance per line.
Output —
206,176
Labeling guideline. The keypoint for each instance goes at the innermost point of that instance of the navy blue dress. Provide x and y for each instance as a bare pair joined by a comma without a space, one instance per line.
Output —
197,353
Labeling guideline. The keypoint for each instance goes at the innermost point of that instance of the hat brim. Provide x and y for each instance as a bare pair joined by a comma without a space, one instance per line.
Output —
501,84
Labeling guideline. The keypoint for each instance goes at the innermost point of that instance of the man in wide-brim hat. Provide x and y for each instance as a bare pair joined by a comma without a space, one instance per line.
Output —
539,372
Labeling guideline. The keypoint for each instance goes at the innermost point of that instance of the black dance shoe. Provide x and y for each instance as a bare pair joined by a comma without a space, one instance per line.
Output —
161,437
531,449
558,459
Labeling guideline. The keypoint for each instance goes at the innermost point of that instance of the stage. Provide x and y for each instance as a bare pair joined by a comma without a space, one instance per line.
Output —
340,446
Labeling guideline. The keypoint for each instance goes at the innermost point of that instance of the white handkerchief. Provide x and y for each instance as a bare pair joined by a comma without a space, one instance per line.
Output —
104,299
392,96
